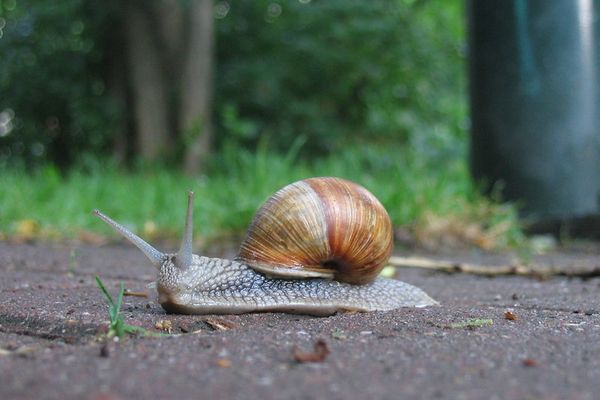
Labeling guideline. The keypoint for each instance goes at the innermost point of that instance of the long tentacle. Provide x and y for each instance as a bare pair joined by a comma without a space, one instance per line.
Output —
153,254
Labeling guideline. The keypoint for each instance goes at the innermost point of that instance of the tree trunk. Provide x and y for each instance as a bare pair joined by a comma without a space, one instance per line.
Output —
149,95
117,87
169,19
196,86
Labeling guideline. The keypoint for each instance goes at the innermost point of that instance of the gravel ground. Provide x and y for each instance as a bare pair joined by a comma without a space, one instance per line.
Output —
53,345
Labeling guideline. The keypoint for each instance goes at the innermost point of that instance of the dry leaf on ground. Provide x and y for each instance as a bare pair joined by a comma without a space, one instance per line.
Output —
509,315
320,353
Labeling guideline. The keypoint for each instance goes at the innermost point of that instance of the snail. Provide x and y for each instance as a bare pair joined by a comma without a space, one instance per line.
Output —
315,247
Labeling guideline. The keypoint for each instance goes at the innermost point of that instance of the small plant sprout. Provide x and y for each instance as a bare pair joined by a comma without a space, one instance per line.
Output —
117,326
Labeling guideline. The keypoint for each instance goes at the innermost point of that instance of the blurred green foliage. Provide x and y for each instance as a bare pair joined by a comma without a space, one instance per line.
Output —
337,69
54,99
324,71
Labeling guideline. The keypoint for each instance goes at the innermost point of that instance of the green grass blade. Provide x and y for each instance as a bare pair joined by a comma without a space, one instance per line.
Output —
120,297
119,326
107,295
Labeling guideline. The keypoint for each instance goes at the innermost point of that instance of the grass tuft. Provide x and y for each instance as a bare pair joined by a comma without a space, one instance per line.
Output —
413,187
117,326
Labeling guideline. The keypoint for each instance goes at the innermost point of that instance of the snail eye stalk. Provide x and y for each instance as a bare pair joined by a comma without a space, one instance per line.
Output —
184,256
153,254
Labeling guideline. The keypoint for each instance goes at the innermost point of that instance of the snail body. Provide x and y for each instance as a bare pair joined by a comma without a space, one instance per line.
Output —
315,247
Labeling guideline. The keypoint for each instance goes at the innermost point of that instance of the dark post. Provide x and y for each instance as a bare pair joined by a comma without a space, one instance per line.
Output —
535,114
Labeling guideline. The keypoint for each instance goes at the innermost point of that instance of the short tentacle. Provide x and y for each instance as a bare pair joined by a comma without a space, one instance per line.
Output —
184,256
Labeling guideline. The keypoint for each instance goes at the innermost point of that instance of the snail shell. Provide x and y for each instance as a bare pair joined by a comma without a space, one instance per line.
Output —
320,227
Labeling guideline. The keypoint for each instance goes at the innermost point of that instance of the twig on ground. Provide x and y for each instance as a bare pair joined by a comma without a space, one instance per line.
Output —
135,294
492,270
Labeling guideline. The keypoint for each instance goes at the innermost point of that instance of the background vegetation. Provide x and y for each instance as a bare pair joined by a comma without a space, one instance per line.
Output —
372,91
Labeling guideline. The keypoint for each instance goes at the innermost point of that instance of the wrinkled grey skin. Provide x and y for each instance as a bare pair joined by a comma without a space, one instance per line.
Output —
191,284
215,286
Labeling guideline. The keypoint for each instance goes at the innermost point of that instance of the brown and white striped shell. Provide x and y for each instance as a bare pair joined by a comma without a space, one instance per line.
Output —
320,227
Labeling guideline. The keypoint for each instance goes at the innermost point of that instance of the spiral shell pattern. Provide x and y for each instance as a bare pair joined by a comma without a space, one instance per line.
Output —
320,227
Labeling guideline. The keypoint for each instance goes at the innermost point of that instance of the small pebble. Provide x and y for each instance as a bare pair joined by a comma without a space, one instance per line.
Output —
105,350
184,327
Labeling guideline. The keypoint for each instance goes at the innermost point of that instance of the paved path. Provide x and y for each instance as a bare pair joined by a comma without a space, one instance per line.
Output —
52,319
